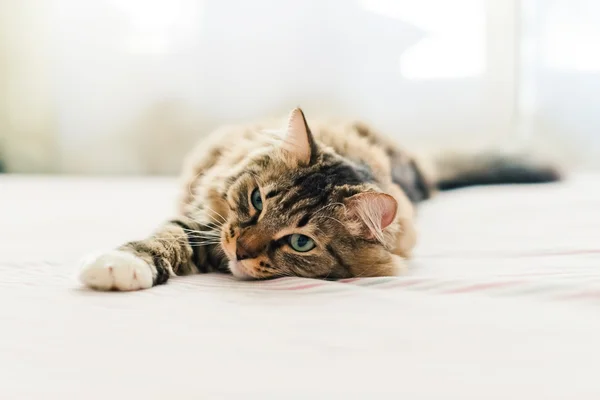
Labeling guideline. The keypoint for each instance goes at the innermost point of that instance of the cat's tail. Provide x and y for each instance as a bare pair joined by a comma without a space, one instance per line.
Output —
453,171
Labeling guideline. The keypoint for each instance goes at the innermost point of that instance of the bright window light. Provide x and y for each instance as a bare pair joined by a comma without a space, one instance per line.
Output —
571,35
159,26
454,42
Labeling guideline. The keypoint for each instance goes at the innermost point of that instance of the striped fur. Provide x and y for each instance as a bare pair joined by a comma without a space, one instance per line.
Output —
346,187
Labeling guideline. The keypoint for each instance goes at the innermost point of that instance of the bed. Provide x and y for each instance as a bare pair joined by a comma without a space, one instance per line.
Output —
502,300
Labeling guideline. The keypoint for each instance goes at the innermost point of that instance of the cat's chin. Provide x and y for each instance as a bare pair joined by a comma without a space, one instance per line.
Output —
237,270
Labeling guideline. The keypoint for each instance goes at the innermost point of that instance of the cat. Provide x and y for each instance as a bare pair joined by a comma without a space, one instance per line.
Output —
326,201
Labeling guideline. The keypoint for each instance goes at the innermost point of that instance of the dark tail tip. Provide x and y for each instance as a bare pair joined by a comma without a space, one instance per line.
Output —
500,171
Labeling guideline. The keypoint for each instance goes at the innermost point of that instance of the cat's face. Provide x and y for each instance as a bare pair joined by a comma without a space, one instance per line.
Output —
302,211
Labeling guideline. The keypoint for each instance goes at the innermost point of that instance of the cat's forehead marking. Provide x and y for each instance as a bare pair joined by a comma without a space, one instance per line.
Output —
271,191
271,194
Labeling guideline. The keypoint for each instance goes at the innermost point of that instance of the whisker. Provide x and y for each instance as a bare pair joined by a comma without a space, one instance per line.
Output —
193,240
330,205
200,235
203,243
198,230
214,223
211,229
335,219
193,182
204,234
204,240
254,174
215,212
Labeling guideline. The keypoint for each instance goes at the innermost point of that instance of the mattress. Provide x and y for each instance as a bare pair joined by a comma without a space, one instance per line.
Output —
501,300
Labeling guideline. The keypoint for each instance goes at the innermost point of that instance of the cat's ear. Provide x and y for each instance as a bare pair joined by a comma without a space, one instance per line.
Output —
298,140
375,210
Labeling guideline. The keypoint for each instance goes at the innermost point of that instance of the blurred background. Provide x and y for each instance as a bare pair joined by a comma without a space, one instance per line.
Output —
128,86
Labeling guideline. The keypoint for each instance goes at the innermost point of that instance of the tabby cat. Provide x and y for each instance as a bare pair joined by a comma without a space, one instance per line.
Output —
331,202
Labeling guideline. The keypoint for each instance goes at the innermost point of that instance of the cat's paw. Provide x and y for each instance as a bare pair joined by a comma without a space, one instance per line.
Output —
116,270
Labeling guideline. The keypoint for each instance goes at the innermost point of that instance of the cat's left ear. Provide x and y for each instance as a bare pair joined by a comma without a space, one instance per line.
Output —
375,210
299,141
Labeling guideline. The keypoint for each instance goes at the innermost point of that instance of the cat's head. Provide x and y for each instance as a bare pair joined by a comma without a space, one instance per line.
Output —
302,210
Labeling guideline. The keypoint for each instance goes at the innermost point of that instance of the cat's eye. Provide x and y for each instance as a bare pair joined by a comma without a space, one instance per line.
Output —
256,199
301,243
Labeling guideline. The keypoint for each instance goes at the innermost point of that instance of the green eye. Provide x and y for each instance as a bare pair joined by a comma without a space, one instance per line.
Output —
301,243
256,200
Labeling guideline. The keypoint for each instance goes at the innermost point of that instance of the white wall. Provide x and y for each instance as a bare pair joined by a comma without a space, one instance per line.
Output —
560,64
134,83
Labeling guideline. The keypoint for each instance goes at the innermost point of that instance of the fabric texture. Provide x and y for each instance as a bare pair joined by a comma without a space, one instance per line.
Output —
501,301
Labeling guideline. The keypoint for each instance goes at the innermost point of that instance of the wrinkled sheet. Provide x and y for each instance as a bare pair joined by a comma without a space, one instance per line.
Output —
502,300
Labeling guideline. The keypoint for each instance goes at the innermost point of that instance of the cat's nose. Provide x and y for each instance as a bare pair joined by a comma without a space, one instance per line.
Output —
241,252
250,244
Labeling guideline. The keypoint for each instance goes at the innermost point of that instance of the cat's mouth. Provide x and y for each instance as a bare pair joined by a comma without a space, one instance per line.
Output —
238,270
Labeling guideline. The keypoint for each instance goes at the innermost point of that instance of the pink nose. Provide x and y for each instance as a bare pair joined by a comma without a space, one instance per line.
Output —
247,249
241,252
250,244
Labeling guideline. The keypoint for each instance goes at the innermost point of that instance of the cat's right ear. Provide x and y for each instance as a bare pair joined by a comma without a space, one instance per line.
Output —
298,141
375,211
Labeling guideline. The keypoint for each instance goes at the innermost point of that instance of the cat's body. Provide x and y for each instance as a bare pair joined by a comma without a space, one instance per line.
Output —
332,201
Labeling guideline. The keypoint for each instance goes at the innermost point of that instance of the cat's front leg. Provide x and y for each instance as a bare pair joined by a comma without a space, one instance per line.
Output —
117,270
180,247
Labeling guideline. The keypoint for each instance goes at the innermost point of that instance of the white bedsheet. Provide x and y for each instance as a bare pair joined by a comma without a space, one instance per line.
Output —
501,301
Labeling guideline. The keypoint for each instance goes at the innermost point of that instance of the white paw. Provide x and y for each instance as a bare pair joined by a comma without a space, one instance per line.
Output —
119,270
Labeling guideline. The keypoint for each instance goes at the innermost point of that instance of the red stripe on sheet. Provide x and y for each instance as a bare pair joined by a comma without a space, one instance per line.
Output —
562,253
586,295
279,281
483,286
299,287
404,283
541,253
